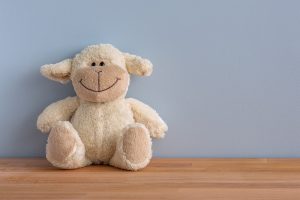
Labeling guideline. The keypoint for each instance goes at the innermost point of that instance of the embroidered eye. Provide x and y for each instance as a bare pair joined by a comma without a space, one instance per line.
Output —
102,63
93,64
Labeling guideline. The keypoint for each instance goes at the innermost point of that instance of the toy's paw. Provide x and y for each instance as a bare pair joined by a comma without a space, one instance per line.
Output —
61,142
160,131
137,144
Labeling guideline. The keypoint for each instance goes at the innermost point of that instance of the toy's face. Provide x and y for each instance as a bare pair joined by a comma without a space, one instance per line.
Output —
99,75
100,83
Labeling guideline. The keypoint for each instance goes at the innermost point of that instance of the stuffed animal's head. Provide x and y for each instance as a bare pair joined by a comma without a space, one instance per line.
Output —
99,73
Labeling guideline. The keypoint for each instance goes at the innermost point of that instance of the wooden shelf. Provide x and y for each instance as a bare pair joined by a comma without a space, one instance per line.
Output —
163,179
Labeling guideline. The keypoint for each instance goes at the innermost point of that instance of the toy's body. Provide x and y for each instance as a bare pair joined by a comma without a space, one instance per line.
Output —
99,126
94,132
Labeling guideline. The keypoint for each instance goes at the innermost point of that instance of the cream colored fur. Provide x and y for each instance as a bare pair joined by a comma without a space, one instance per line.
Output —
138,66
59,111
96,132
144,114
58,72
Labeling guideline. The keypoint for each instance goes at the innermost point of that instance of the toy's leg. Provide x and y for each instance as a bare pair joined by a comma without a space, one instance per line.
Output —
65,148
133,150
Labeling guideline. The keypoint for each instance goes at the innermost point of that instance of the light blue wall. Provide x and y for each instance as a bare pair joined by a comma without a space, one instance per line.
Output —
226,77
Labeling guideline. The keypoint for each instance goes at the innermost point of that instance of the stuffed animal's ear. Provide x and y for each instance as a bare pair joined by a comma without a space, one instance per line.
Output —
137,65
58,72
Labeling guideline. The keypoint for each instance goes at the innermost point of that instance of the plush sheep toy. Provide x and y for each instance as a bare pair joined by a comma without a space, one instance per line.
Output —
99,125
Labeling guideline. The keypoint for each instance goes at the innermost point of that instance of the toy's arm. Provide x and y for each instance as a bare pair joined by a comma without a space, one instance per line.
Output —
58,111
144,114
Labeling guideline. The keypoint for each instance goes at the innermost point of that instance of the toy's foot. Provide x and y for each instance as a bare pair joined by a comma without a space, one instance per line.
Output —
133,148
65,148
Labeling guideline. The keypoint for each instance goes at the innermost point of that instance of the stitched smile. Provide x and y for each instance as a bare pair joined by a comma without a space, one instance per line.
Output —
117,79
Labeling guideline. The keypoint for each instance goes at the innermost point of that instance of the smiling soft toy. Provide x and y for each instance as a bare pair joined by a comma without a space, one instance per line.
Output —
99,125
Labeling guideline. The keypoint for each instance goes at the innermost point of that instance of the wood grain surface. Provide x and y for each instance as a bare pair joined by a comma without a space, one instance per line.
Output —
233,179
